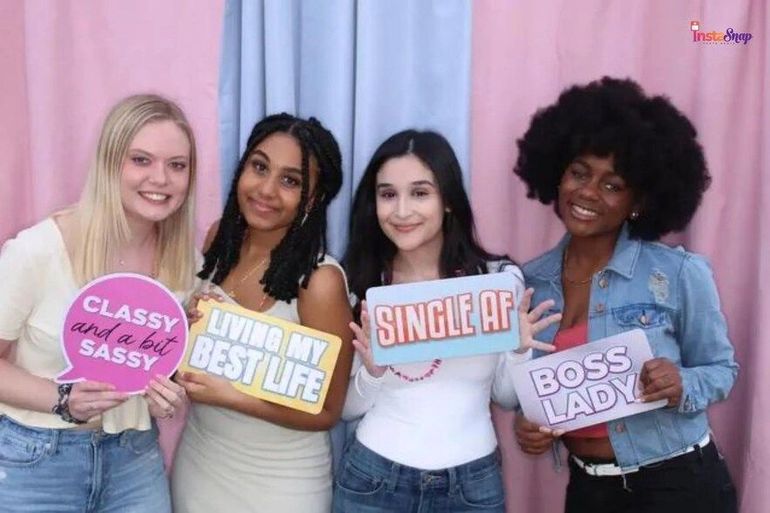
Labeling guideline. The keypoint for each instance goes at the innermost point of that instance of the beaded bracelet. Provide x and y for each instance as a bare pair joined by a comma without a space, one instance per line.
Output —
62,406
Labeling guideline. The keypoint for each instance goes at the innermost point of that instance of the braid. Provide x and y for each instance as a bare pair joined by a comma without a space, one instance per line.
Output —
304,245
302,248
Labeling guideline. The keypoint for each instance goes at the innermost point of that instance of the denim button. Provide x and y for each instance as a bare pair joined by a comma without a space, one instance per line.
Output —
603,282
620,427
599,308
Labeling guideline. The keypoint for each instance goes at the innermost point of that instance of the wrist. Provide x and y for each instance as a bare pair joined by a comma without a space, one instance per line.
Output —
62,406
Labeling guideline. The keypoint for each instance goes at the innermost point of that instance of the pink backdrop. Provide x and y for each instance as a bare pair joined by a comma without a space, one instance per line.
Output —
57,86
524,54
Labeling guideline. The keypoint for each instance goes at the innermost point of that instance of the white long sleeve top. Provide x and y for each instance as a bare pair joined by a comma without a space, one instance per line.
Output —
438,422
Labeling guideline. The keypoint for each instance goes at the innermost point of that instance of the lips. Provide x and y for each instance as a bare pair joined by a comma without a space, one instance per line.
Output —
582,213
405,228
260,207
154,197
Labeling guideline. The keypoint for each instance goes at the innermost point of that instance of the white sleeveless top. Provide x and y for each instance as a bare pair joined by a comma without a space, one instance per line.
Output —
228,461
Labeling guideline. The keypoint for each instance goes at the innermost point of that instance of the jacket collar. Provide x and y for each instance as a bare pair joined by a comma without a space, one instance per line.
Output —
623,261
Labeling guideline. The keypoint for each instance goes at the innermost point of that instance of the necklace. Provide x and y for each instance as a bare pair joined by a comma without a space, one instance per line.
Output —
245,277
425,375
570,281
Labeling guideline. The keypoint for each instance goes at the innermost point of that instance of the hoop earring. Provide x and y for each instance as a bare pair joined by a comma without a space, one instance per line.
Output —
634,215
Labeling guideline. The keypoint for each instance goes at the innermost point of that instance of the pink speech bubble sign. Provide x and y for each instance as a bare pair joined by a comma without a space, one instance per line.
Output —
123,329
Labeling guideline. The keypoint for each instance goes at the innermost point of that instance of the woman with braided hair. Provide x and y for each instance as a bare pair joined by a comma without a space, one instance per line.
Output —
267,253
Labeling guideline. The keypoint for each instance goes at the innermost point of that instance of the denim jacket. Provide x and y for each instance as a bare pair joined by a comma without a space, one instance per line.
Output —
671,295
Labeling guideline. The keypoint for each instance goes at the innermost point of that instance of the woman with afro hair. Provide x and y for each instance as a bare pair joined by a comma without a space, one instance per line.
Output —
622,169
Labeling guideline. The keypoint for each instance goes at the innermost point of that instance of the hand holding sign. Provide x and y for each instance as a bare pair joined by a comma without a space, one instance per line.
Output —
91,398
661,379
533,438
363,344
530,323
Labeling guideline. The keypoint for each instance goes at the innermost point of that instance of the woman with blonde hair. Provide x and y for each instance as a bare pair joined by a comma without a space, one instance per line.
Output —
85,446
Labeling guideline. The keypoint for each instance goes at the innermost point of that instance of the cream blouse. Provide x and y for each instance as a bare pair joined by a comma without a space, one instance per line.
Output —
36,289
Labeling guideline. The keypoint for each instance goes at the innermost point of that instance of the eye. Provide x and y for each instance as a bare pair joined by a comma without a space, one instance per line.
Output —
290,181
578,172
258,166
614,187
178,165
140,160
386,194
421,193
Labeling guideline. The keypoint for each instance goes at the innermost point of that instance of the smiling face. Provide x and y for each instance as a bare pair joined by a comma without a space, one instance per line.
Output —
593,199
270,187
410,209
155,174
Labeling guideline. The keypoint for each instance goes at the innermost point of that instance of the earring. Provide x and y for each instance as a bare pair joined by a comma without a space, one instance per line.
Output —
634,215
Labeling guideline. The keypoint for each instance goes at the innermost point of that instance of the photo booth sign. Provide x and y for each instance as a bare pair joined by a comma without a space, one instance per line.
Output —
123,329
585,385
263,356
417,322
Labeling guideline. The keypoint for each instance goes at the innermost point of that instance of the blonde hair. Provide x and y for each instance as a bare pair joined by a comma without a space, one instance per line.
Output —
102,223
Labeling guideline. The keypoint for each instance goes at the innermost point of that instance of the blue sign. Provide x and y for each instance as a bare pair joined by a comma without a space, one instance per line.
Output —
422,321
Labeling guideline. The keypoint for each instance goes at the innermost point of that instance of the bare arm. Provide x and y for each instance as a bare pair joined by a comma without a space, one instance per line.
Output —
25,390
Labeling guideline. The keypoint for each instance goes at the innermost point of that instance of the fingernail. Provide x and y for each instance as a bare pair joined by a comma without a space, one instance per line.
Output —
545,430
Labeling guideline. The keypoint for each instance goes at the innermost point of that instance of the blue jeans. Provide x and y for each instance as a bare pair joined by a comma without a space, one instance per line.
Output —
65,470
369,483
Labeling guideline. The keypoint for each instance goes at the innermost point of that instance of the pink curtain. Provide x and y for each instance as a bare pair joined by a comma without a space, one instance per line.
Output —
65,63
524,54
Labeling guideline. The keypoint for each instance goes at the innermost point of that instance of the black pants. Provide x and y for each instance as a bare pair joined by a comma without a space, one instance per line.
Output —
695,482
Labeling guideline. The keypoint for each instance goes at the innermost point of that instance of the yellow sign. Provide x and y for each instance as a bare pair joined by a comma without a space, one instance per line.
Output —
263,356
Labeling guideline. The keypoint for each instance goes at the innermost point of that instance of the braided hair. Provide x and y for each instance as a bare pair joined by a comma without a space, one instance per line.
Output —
302,248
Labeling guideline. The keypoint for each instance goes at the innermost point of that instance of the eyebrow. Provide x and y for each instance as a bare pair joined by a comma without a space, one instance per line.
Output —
139,150
287,169
586,164
418,183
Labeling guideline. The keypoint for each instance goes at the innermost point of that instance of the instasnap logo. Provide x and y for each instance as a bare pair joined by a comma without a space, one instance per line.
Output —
729,36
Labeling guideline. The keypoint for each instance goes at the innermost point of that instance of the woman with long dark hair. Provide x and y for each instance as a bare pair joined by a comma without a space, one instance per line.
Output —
623,169
426,440
239,453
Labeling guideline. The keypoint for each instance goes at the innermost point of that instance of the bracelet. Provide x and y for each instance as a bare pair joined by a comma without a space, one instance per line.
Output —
62,406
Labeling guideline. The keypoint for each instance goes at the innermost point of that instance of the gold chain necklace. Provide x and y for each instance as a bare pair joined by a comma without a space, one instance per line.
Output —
245,277
576,283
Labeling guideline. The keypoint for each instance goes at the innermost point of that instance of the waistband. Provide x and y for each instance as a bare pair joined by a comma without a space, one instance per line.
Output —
65,436
612,469
359,455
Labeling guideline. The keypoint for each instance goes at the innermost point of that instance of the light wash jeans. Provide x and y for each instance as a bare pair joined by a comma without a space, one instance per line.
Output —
369,483
84,471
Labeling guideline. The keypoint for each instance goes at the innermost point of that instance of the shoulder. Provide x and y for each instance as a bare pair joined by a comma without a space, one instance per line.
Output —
505,266
210,234
673,260
327,280
37,242
543,266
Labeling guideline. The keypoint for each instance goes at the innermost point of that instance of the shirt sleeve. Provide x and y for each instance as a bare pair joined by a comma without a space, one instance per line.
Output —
503,391
708,368
17,286
362,391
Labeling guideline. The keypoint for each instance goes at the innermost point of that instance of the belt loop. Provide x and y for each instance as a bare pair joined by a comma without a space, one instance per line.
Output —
393,477
452,474
625,483
53,442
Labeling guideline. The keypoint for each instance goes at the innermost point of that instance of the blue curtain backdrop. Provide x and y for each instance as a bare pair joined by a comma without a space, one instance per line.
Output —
366,69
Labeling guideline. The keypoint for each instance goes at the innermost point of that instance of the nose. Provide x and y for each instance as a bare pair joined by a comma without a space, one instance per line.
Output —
590,189
268,186
403,208
159,173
